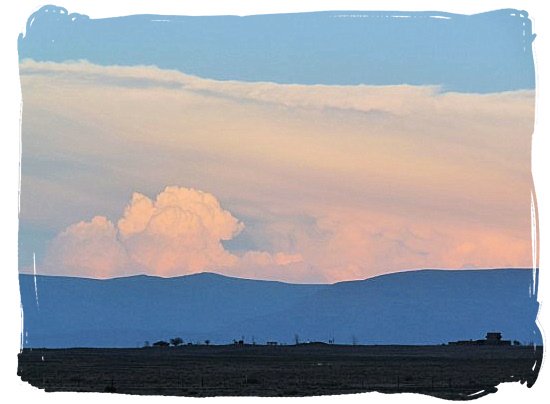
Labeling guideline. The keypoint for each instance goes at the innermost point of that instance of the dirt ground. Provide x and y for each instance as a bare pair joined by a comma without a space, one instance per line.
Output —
450,372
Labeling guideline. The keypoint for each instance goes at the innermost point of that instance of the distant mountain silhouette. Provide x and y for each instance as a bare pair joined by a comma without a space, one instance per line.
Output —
415,307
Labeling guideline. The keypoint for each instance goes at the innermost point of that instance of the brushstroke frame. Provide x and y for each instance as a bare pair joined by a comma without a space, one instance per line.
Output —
539,144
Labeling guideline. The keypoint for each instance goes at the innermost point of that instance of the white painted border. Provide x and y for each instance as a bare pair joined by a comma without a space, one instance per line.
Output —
14,20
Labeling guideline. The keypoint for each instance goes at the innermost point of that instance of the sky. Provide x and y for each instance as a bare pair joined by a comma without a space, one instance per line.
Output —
315,148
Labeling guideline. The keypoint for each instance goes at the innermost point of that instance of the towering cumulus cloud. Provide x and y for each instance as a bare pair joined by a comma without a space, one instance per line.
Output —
179,232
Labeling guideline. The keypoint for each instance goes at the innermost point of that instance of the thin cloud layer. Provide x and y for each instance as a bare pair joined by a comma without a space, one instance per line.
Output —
400,100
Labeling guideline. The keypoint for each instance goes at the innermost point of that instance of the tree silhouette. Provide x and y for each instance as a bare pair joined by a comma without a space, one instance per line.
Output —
176,341
207,341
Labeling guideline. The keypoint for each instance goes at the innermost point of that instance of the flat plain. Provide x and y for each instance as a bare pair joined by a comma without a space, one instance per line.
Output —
449,372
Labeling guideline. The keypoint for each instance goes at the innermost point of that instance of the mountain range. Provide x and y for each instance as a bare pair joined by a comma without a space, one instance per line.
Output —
420,307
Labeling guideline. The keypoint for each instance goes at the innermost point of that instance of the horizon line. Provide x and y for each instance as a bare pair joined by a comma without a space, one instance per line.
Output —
35,275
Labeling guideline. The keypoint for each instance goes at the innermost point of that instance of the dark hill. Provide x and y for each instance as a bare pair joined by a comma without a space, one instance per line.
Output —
415,307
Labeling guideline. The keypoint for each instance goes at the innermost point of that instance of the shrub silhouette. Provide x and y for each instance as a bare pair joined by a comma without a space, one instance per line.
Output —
176,341
161,343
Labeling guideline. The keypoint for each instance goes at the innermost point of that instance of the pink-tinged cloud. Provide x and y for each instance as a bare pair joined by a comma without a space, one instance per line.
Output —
334,182
288,267
356,244
180,232
87,249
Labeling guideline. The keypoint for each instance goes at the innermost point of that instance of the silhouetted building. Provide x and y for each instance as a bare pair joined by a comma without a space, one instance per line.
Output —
491,338
272,343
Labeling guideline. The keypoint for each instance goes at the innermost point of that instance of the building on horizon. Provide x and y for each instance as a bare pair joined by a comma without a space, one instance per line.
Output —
491,338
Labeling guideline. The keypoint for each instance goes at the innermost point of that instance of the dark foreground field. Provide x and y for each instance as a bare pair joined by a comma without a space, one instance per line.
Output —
448,372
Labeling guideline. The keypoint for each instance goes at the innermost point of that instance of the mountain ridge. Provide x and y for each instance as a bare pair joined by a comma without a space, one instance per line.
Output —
220,275
409,307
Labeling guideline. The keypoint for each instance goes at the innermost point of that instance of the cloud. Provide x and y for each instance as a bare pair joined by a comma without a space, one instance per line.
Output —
181,232
400,100
344,181
280,266
343,244
86,249
178,233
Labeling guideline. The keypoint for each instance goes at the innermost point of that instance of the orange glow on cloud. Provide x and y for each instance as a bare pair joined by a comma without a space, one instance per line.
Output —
323,183
87,248
180,232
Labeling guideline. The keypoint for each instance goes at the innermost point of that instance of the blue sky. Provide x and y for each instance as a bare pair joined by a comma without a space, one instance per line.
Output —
487,52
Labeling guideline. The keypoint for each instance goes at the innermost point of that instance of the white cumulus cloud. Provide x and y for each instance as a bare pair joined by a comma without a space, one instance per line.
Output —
179,232
87,249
